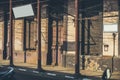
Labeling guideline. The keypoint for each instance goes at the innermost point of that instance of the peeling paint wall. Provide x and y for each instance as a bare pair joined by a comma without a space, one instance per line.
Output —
94,63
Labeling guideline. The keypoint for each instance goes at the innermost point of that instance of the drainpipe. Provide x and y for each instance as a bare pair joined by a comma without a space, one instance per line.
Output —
114,35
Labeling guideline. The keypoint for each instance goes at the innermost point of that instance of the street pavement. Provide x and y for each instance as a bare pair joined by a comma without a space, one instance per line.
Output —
32,74
29,72
28,76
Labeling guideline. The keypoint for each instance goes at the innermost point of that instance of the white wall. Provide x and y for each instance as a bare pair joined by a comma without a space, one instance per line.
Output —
108,40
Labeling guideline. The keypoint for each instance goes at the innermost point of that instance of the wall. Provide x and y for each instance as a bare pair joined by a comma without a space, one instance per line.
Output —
31,53
94,63
93,30
108,40
1,38
18,34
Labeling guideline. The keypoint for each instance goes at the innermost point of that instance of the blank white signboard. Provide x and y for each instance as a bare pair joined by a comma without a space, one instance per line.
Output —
23,11
110,28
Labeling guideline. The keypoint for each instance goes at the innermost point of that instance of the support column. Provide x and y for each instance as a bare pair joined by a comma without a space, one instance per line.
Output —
88,38
119,28
24,41
29,35
11,34
39,34
77,66
50,35
5,35
83,39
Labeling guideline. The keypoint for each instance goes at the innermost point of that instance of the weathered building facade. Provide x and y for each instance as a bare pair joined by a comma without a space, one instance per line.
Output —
99,47
99,43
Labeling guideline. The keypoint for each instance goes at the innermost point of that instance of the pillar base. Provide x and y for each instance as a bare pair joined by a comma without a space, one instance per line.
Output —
40,70
11,65
77,75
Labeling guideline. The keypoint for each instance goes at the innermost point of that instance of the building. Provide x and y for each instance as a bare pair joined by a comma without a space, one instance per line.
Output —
99,45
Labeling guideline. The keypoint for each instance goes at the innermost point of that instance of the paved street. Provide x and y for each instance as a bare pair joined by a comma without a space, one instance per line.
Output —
22,73
28,74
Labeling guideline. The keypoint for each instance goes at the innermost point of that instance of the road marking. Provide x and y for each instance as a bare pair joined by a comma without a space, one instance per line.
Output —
22,69
69,77
51,74
35,72
86,79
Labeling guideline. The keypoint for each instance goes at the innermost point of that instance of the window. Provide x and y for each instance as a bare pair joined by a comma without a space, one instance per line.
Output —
106,47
